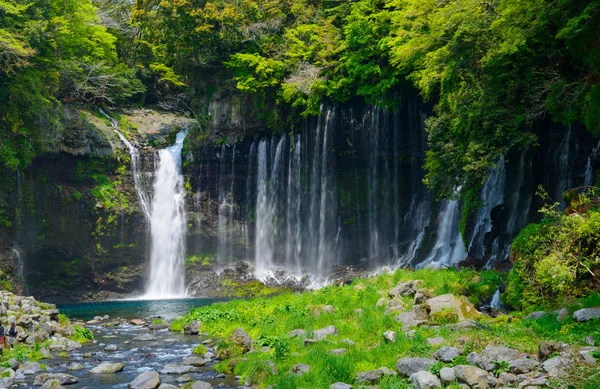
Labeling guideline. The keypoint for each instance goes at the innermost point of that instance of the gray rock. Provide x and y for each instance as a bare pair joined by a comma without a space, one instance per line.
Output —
472,376
167,386
338,351
447,375
590,340
328,309
108,368
409,319
435,341
241,338
369,377
171,368
422,295
111,347
341,385
586,357
425,380
33,367
410,366
586,314
476,359
446,354
390,336
62,378
349,342
562,314
184,378
381,302
555,366
74,366
536,315
458,305
146,380
71,345
545,349
193,328
297,333
300,368
52,384
145,338
522,365
325,332
506,379
308,342
193,361
359,312
495,354
201,385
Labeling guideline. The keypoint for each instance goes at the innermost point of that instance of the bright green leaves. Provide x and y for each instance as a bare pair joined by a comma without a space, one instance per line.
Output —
255,73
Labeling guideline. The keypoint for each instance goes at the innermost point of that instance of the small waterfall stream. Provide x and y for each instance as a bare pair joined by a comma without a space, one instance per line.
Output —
589,171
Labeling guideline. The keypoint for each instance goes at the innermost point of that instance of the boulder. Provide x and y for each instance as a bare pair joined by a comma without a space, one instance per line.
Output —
394,306
545,349
562,314
300,368
193,361
325,332
62,378
447,375
74,366
145,337
193,328
137,322
297,333
410,366
436,341
506,379
446,354
390,336
341,385
338,351
460,306
522,365
171,368
555,366
33,367
425,380
381,302
472,376
241,339
201,385
146,380
369,377
410,319
111,347
167,386
495,354
536,315
586,314
184,378
422,295
476,359
108,368
52,384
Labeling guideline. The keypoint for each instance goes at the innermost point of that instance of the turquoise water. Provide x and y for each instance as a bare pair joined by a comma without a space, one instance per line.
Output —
130,309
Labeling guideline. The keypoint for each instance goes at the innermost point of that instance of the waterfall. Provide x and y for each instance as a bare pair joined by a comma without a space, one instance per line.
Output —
143,197
293,244
496,303
167,223
20,264
589,171
561,163
492,195
449,248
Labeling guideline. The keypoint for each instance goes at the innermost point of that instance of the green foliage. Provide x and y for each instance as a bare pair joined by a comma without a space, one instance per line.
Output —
82,334
199,350
63,320
555,259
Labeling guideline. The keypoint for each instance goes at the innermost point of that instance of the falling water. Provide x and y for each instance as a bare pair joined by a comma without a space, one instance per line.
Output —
293,221
589,171
492,195
20,264
496,303
167,222
449,248
142,194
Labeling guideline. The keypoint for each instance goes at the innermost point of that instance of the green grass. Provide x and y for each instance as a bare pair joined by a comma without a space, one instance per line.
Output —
268,320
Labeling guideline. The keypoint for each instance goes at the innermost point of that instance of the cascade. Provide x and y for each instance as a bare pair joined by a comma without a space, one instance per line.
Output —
167,223
496,303
561,168
589,172
20,266
492,195
143,197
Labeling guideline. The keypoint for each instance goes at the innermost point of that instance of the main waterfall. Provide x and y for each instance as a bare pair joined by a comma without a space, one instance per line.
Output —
168,225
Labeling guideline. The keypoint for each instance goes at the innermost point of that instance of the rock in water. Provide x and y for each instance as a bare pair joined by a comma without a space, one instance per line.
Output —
171,368
145,337
146,380
62,378
52,384
108,368
193,361
201,385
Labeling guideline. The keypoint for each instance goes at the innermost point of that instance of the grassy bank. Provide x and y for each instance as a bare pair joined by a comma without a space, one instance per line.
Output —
361,323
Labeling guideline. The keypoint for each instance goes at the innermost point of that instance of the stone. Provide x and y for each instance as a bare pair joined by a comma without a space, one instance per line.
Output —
476,359
193,328
590,340
338,351
137,322
171,368
193,361
586,314
555,366
341,385
71,345
545,349
146,380
325,332
297,333
381,302
460,306
52,384
111,347
495,354
201,385
33,367
522,365
184,378
562,314
145,337
108,368
472,376
410,366
506,379
300,368
586,357
328,309
359,312
409,319
425,380
349,342
536,315
62,378
447,375
158,326
308,342
436,341
369,377
167,386
446,354
390,336
394,306
74,366
241,339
